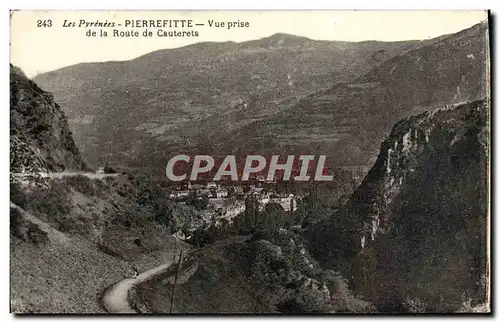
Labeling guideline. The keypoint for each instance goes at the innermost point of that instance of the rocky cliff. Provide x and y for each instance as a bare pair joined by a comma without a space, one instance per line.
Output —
421,213
40,139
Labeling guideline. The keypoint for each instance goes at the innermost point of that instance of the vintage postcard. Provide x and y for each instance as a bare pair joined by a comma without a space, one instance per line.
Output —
251,162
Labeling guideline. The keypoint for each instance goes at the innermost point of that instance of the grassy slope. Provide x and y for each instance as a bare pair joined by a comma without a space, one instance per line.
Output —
86,250
63,276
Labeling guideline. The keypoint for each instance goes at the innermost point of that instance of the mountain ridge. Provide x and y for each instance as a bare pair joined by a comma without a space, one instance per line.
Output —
332,98
210,80
358,114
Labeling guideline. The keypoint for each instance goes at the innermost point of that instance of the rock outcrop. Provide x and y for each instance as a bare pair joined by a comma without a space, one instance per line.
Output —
421,213
40,139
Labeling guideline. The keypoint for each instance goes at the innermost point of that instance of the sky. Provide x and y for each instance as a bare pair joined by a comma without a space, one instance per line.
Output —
38,48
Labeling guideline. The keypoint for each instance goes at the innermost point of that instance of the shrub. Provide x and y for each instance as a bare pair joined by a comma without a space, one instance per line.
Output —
17,224
82,184
36,235
335,282
25,230
163,214
260,235
66,224
343,299
109,170
413,305
17,196
109,251
307,300
52,202
149,195
291,306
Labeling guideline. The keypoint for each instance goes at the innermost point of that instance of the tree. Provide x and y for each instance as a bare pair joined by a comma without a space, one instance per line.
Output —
251,211
230,192
202,203
272,218
109,170
199,202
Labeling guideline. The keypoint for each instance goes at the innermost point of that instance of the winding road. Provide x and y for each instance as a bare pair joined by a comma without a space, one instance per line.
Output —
115,299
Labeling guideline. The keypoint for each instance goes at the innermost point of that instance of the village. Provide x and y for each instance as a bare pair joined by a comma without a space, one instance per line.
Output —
227,201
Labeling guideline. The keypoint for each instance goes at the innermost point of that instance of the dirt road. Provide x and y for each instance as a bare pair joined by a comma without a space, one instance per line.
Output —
115,299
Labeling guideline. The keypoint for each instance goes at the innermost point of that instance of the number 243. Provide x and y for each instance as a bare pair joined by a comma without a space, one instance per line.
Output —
44,23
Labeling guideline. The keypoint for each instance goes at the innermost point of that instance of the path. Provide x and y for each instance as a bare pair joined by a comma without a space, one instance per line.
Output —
64,174
86,174
115,299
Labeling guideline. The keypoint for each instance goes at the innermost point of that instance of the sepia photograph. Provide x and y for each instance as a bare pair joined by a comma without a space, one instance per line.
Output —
250,162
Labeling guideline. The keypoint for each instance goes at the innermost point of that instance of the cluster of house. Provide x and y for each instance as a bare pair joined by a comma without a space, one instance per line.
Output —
228,202
288,203
227,209
210,189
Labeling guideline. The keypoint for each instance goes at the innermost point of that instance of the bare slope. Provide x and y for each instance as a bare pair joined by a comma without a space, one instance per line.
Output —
185,98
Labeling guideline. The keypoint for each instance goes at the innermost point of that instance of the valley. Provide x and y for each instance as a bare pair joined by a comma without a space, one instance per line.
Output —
294,176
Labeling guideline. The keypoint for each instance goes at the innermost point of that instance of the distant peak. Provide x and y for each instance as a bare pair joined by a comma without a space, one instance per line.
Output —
285,36
281,39
282,35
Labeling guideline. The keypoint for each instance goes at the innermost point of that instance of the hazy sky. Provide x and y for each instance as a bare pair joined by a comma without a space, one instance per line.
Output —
38,49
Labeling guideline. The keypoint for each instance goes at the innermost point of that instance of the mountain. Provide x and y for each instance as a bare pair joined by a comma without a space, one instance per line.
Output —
417,226
348,120
40,139
192,98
